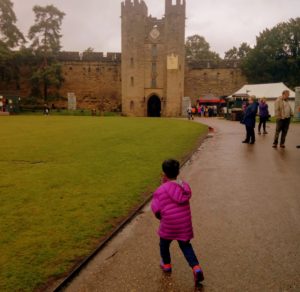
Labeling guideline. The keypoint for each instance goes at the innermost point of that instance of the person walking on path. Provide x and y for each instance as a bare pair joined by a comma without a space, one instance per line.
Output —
283,114
171,206
263,115
189,113
249,120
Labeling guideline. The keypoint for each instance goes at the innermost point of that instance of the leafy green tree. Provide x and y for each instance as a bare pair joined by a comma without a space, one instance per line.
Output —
45,36
198,49
10,35
46,76
276,56
236,54
89,50
5,58
45,33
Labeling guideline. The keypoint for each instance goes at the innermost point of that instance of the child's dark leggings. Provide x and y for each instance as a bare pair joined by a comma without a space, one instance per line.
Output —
185,247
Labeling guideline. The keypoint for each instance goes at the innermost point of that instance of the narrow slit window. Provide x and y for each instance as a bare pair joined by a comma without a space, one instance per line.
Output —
153,83
154,51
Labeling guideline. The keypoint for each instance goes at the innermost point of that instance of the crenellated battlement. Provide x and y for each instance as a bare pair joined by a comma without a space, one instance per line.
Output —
89,57
178,3
178,7
134,6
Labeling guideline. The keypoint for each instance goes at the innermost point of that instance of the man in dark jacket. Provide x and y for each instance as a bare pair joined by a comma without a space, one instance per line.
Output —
263,115
249,120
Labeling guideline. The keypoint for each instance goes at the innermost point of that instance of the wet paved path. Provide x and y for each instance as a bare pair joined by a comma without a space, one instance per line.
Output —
246,215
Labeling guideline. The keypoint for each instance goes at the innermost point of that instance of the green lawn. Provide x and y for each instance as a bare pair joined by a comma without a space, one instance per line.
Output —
64,182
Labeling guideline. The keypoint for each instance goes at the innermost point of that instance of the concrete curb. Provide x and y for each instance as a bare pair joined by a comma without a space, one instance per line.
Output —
75,272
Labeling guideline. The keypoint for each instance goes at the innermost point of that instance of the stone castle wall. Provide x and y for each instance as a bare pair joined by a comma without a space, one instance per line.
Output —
96,80
203,79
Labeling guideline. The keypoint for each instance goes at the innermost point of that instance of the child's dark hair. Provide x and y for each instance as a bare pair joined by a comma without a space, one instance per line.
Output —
171,168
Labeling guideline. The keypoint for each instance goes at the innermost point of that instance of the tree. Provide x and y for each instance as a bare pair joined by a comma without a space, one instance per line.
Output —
10,35
237,54
45,36
89,50
46,76
45,33
198,49
276,56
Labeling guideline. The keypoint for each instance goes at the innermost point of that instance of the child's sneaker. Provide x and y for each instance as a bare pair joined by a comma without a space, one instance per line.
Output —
166,267
198,275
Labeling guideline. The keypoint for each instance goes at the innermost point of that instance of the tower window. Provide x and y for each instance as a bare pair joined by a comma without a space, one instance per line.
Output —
132,81
132,105
153,83
132,62
153,67
154,51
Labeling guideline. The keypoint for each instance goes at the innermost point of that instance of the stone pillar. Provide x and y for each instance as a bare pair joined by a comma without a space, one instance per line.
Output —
72,104
186,103
297,104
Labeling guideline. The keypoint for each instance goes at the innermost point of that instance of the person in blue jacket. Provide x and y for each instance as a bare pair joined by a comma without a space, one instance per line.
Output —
263,115
249,119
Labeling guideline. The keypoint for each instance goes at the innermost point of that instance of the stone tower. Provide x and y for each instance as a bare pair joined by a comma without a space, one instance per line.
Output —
153,55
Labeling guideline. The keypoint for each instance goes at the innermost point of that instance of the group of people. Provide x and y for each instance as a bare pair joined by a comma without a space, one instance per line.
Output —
202,111
170,202
5,104
283,114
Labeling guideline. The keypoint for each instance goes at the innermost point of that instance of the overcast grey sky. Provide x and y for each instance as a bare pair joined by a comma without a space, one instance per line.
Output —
223,23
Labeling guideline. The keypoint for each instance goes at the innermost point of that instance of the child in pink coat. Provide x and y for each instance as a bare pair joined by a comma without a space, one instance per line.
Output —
171,206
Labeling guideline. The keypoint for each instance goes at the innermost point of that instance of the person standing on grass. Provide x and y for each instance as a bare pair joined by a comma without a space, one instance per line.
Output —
283,114
249,120
46,109
171,206
263,115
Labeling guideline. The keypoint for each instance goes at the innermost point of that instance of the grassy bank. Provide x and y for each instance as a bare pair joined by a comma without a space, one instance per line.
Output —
65,180
64,112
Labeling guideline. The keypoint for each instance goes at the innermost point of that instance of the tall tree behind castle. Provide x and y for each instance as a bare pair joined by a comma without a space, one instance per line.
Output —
276,55
198,49
237,54
10,35
10,38
45,36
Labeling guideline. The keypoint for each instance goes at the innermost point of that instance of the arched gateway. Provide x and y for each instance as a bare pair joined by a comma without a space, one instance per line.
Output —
154,106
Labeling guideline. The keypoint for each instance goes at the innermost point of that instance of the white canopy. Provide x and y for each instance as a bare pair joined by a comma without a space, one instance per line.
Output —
268,90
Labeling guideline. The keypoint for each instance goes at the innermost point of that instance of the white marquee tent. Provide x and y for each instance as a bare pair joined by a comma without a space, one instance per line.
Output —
270,91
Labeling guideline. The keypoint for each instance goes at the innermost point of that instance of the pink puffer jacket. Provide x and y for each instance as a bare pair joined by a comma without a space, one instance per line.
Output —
171,201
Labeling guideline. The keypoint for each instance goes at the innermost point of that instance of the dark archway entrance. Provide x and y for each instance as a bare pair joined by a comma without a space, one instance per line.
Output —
154,106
